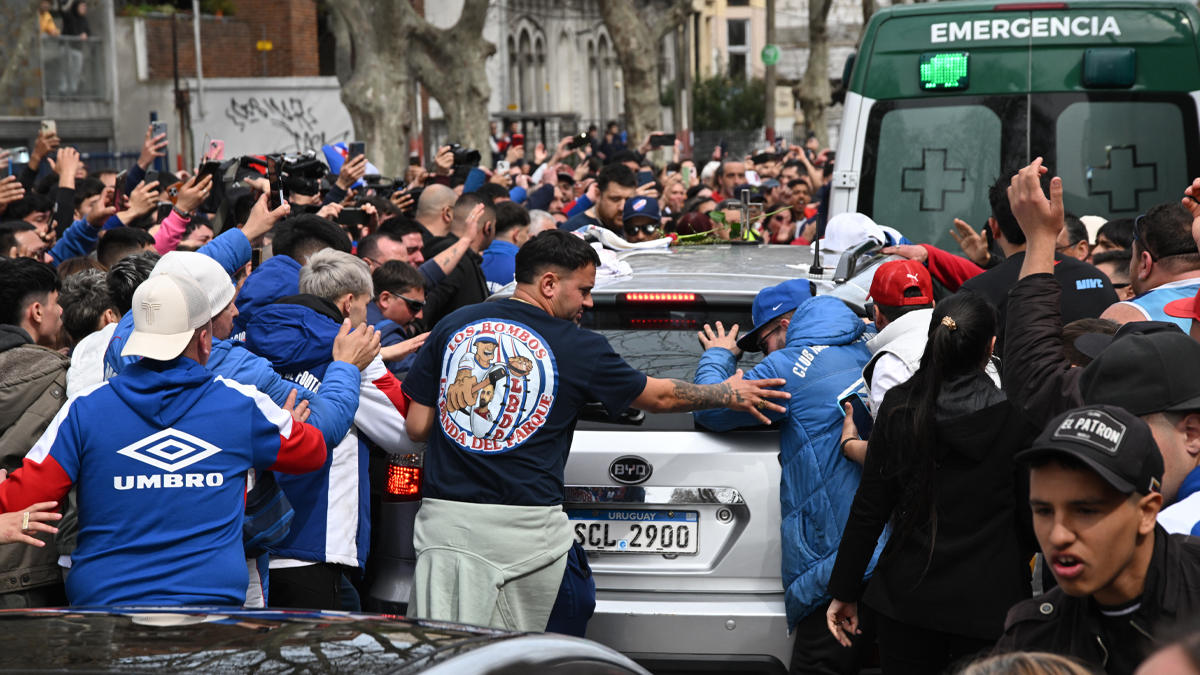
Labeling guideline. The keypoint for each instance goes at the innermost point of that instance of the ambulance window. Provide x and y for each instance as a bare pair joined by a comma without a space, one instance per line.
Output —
934,164
1119,158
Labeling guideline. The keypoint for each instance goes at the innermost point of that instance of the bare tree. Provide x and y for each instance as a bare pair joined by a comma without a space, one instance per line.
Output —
384,47
450,63
814,91
637,27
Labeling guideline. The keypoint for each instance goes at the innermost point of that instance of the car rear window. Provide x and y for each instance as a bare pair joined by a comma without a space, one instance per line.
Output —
661,342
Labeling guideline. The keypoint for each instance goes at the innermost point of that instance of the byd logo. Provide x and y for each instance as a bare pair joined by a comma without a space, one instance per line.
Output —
169,450
630,470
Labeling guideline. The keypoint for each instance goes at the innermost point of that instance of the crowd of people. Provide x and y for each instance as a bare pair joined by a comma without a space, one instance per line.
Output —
200,373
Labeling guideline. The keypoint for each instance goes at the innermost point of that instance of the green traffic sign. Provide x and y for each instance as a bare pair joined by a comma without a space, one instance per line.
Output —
770,55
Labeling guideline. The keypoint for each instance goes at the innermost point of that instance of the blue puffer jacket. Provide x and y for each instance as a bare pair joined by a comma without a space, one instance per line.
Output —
277,278
823,360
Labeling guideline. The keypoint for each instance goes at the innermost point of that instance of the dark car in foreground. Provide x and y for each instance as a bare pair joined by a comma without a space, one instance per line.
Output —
169,640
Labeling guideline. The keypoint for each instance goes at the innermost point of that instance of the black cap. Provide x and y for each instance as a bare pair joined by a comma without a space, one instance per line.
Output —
1145,374
1092,344
1114,443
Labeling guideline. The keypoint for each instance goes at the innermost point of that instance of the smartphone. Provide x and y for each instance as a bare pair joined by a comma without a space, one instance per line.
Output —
255,258
352,219
660,140
210,167
686,173
579,141
216,150
152,177
158,129
414,159
49,128
862,417
164,210
502,166
275,198
356,148
645,177
518,140
118,200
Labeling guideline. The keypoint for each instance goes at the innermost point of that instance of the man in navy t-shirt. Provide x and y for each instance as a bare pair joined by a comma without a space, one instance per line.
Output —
496,390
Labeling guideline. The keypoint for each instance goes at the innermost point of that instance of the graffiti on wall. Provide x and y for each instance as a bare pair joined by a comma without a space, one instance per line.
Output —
290,115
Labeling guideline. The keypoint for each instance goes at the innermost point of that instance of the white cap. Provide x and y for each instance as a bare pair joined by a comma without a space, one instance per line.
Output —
845,231
1093,225
205,271
167,310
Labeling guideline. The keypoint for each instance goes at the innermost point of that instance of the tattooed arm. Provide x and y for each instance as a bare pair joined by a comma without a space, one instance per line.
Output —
735,393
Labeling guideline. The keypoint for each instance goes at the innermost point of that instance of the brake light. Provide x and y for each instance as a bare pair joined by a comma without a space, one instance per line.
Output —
403,479
1028,6
660,297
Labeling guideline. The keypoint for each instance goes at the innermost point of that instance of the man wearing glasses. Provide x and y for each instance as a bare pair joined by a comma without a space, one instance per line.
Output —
1165,266
399,299
819,347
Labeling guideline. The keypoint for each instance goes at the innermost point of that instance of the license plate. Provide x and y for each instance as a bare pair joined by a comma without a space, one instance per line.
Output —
621,531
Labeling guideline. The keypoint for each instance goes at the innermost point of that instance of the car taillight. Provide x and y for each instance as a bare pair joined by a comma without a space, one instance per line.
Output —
660,297
403,479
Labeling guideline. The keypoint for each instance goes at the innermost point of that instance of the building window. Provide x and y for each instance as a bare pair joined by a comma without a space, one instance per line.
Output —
738,3
738,47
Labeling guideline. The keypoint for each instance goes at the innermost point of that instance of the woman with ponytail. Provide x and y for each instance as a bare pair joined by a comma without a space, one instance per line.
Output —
939,471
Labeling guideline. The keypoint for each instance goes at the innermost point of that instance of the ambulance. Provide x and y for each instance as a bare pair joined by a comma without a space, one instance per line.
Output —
943,97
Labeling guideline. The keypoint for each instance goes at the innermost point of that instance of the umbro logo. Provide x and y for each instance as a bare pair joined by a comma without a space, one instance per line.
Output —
170,450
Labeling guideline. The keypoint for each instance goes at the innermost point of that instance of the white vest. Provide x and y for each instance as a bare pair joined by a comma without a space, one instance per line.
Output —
905,338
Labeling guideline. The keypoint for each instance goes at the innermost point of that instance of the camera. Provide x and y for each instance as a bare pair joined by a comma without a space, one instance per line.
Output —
302,173
465,156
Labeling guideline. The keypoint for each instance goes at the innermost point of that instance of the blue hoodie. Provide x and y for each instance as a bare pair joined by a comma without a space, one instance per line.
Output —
161,488
823,360
277,278
332,411
296,335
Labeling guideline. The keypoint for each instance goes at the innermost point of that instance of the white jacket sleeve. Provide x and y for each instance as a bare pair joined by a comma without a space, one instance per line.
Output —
381,408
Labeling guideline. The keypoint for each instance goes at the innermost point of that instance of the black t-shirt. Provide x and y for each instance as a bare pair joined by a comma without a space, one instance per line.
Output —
525,376
1086,291
1126,645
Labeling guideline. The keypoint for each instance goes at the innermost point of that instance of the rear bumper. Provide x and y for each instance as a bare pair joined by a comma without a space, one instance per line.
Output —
695,632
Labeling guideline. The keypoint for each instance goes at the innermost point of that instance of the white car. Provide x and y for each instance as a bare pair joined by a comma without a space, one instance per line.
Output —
681,524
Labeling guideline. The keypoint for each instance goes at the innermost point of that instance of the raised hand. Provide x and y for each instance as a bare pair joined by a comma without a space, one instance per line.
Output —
1039,217
719,338
192,193
262,219
973,243
352,170
152,147
357,348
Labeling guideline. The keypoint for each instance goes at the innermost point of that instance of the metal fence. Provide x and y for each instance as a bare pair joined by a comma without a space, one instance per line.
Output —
73,68
119,161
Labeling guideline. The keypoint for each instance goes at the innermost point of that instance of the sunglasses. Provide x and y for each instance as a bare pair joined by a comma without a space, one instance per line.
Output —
762,340
648,228
414,306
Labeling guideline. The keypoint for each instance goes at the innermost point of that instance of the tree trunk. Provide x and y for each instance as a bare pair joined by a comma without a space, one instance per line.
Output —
637,28
376,82
869,8
814,88
393,47
21,75
450,62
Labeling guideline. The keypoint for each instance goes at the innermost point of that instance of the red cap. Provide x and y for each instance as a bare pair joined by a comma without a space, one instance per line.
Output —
895,277
1187,308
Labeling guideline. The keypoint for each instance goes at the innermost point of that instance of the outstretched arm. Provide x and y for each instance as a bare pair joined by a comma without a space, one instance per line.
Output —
735,393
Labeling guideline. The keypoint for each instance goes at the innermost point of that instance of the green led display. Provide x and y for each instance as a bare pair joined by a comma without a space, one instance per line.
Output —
944,70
